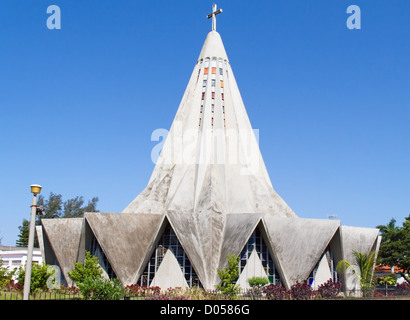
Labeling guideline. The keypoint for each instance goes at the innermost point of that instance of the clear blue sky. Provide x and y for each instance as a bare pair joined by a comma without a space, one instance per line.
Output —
78,105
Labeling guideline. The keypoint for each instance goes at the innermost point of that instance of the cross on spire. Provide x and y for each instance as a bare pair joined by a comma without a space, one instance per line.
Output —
213,16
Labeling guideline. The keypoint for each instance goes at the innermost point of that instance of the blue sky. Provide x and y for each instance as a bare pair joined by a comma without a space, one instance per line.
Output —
78,105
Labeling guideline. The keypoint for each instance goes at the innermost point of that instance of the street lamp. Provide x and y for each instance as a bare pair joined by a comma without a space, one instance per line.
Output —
35,190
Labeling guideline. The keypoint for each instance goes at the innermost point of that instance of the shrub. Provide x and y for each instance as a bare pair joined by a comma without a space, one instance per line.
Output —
90,269
301,291
329,289
13,286
141,291
256,284
39,276
68,290
101,289
258,281
5,275
274,291
228,275
403,288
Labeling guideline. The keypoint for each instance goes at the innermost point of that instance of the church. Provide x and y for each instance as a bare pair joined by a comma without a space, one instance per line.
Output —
209,196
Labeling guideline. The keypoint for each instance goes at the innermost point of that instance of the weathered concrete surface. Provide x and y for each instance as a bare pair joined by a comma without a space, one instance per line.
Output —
169,273
211,158
61,239
298,244
126,240
363,240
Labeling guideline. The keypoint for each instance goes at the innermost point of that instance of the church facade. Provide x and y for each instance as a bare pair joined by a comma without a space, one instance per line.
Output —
209,196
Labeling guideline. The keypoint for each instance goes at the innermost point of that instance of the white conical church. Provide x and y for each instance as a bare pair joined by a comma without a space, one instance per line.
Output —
209,196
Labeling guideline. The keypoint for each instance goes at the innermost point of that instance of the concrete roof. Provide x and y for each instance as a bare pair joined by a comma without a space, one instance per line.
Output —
126,240
63,235
294,240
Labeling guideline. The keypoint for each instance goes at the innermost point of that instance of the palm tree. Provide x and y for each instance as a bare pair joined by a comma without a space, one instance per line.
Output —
389,233
388,230
364,263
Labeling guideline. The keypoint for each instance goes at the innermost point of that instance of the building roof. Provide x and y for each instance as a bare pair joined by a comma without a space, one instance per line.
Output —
211,160
14,248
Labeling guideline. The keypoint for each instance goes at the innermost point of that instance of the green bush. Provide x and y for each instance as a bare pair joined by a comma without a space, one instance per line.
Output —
258,281
39,276
101,289
256,284
90,269
5,275
228,275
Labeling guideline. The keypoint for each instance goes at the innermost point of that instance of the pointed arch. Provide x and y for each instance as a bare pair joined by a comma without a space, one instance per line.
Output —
168,264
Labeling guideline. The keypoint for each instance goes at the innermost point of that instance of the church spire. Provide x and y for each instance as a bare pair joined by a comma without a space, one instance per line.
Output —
213,16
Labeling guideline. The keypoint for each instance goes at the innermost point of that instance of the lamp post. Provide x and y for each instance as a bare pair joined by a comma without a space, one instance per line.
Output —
35,190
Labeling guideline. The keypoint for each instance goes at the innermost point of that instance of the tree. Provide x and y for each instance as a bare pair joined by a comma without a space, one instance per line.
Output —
74,208
395,246
22,240
388,229
364,263
389,280
403,260
54,207
228,275
388,253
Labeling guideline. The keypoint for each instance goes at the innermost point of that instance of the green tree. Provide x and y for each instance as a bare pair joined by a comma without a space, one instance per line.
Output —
22,238
54,207
90,269
362,268
387,281
395,246
228,276
389,252
387,230
403,260
74,208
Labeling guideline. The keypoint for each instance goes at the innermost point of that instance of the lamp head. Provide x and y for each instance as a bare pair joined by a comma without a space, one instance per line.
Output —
35,189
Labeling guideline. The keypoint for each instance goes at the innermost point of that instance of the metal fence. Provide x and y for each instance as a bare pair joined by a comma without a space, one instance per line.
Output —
40,296
243,294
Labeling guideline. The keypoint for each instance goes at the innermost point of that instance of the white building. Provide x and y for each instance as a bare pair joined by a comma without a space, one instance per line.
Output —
14,257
